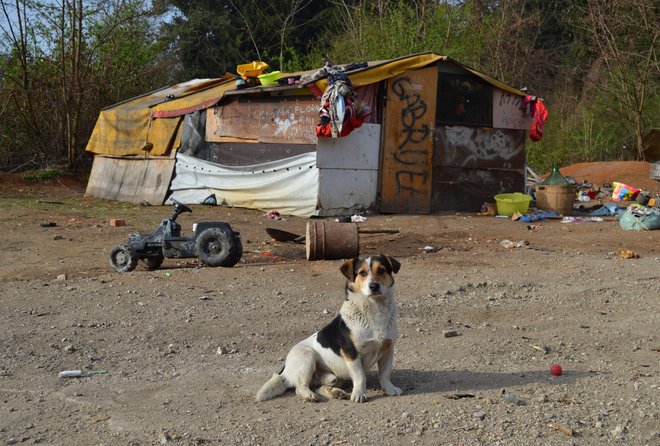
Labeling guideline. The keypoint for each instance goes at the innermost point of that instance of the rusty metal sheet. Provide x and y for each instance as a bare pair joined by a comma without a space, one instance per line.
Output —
466,189
245,154
290,120
409,121
471,165
130,179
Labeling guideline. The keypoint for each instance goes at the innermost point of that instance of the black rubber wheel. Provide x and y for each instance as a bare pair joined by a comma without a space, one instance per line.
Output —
123,259
153,262
216,247
238,253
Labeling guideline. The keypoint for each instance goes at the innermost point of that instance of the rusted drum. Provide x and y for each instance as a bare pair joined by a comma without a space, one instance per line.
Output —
327,240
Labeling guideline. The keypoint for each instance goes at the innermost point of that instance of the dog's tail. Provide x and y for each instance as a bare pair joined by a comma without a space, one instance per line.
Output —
274,386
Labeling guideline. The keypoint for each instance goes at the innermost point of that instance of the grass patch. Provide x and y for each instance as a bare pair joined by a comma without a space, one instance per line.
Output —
37,176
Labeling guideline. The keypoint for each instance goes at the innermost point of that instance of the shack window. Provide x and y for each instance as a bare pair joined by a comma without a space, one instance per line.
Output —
464,100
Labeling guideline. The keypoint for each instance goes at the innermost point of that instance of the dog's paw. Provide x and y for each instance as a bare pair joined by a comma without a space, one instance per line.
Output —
358,397
393,390
338,393
332,392
307,395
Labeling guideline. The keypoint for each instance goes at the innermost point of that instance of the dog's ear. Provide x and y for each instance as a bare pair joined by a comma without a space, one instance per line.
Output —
348,268
394,263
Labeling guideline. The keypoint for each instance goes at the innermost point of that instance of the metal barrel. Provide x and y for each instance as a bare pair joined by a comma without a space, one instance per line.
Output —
326,240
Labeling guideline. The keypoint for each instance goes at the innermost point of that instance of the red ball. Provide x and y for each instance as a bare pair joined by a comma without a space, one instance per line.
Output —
556,370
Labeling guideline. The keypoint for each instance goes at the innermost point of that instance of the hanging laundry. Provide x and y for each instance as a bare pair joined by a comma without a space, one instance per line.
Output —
339,114
539,114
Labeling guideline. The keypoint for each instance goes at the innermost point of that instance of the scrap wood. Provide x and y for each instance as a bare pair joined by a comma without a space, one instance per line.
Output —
458,396
562,428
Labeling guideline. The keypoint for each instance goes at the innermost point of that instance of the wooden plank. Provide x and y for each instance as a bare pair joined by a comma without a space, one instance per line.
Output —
290,120
130,179
407,154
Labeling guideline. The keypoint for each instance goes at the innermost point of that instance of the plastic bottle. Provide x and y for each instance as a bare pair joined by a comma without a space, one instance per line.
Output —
556,178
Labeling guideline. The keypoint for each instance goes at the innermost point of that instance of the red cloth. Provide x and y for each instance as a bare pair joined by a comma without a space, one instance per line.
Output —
538,119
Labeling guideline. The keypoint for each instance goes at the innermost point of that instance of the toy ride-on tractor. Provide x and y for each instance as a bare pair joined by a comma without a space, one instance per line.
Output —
214,243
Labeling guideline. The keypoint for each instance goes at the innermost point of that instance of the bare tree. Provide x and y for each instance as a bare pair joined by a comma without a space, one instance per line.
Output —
53,51
625,34
283,15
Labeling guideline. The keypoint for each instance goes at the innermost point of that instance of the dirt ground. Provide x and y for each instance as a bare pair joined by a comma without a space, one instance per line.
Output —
186,347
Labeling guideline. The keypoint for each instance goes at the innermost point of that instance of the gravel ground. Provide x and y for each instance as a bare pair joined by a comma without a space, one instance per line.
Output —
187,347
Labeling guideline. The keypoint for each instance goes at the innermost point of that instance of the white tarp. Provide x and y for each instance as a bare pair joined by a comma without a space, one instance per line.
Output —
289,186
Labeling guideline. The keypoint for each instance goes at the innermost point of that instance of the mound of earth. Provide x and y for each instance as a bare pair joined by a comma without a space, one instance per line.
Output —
632,173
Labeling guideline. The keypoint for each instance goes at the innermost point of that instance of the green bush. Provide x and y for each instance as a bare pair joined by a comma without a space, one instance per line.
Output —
36,176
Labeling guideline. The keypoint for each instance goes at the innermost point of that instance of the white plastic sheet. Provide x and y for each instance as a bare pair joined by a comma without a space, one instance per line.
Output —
289,186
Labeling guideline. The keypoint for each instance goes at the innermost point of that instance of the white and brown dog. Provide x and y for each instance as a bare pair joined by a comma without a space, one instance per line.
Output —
362,335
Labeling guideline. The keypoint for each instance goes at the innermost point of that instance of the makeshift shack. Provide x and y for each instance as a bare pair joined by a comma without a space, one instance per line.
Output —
439,136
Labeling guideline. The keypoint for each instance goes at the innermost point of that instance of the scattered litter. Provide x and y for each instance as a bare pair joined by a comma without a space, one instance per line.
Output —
488,209
210,200
538,216
542,348
640,218
627,254
61,277
534,227
582,219
273,215
49,202
80,373
623,192
458,396
561,428
48,224
584,197
98,418
508,244
479,415
604,210
513,399
116,222
168,274
225,351
358,219
428,248
164,437
556,370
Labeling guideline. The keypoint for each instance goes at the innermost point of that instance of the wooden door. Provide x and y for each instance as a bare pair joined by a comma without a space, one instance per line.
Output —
407,155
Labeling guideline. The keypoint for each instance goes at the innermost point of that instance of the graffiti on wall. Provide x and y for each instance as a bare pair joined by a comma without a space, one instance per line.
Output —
413,150
268,120
507,113
469,146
